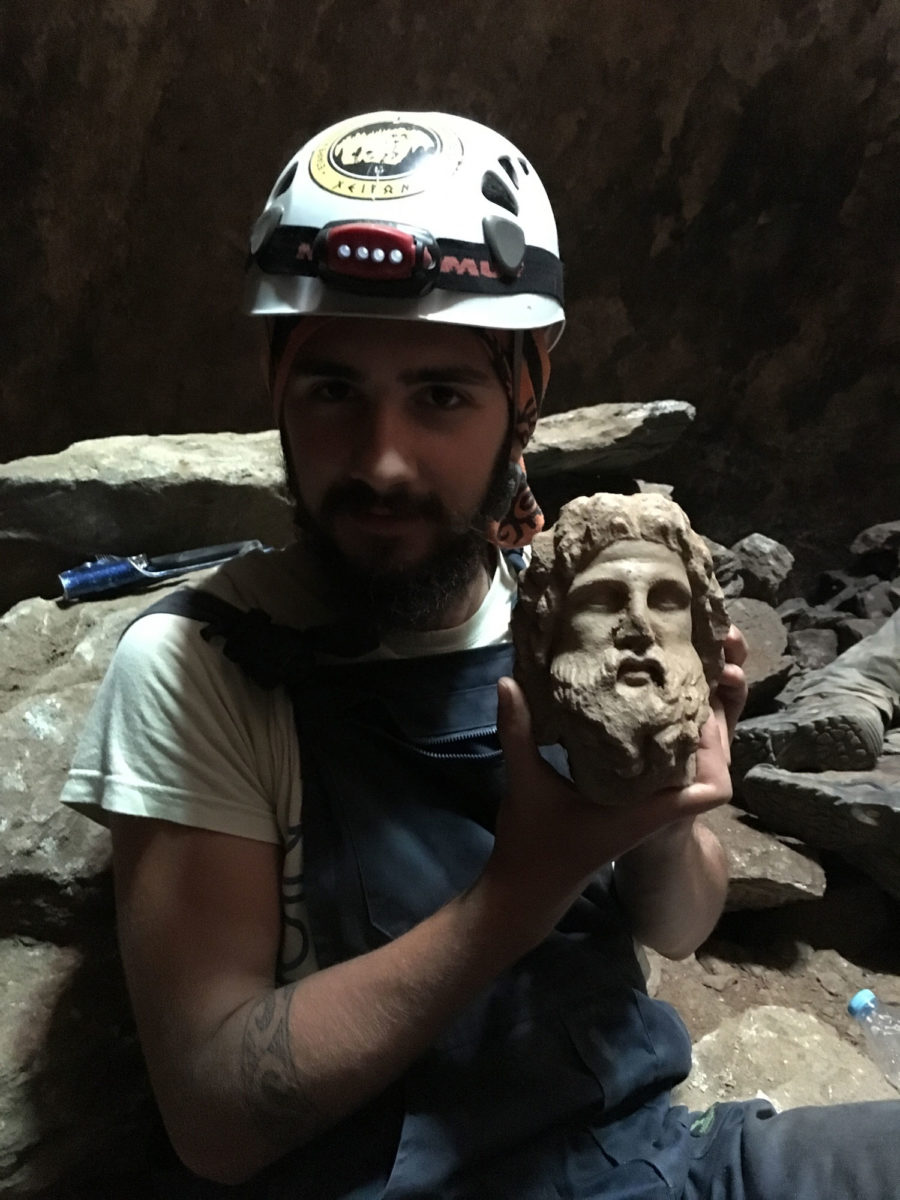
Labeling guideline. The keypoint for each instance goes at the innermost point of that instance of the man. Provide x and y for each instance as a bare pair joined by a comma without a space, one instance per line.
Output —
417,978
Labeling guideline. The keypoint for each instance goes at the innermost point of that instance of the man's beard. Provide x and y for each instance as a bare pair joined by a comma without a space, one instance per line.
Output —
613,728
414,596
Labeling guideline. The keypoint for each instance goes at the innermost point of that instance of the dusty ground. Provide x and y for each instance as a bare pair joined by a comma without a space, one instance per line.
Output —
811,956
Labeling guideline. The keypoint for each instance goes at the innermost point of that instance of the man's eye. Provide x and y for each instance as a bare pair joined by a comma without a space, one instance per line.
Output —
444,397
331,391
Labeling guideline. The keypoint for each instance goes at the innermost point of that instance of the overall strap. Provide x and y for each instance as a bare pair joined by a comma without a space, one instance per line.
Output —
271,654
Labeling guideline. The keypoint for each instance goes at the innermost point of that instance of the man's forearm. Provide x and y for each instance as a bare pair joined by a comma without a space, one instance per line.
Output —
673,887
297,1059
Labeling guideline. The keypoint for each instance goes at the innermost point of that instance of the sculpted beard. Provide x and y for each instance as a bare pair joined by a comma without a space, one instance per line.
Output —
414,596
623,729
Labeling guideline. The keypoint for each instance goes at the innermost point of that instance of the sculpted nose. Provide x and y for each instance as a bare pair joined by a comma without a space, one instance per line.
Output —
633,631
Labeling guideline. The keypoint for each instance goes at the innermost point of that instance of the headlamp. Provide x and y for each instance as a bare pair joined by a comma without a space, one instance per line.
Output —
377,257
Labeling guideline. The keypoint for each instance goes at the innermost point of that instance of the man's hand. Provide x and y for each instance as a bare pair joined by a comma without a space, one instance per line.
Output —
550,840
670,872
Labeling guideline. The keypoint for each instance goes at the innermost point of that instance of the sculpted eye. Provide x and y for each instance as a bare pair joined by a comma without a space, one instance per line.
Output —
669,596
606,597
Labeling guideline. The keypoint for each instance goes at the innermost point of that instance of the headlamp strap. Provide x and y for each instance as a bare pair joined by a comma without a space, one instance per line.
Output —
380,258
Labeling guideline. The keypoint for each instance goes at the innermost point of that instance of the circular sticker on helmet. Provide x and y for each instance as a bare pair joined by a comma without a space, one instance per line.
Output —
384,158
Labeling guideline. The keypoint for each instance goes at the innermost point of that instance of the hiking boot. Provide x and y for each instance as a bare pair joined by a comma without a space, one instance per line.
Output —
833,733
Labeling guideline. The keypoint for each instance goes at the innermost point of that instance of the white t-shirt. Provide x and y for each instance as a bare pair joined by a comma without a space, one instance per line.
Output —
180,733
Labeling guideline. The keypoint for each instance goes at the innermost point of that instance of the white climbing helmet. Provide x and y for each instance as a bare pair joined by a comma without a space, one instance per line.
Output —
415,216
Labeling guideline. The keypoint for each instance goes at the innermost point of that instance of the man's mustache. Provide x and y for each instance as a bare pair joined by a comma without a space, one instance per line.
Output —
355,497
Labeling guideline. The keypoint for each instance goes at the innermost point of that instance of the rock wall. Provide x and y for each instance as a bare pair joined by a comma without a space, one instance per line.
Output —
724,173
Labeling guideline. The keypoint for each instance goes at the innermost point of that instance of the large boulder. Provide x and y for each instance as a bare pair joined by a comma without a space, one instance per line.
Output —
73,1091
789,1057
135,495
160,495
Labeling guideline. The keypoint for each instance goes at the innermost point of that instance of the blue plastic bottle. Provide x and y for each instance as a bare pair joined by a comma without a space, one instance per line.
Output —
881,1025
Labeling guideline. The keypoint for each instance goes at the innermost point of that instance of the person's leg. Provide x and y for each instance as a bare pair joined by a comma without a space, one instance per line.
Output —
835,720
839,1152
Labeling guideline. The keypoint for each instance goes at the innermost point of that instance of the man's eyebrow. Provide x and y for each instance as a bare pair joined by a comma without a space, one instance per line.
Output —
335,369
328,367
448,374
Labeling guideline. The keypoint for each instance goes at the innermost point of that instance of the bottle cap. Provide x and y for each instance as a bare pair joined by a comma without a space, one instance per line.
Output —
860,1002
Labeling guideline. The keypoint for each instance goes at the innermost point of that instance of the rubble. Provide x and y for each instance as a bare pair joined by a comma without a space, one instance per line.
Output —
68,1039
764,567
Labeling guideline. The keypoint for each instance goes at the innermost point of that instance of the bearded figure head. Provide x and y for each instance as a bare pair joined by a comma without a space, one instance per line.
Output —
618,632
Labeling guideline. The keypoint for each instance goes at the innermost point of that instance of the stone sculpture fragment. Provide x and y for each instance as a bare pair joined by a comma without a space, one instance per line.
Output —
619,633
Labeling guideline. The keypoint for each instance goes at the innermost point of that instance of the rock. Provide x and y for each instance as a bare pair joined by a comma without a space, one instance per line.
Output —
645,486
73,1090
789,1057
796,613
67,1041
725,565
134,495
47,646
767,667
38,837
610,437
879,600
854,629
839,589
878,547
854,813
812,648
764,565
763,871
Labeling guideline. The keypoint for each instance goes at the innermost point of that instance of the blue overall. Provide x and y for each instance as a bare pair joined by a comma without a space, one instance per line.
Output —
555,1081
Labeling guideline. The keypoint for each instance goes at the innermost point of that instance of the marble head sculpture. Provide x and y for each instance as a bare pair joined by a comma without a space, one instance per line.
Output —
618,633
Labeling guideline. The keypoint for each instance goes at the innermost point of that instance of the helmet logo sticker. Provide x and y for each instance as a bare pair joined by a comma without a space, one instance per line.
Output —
383,159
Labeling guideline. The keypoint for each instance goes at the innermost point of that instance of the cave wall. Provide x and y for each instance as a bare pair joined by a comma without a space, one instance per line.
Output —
724,173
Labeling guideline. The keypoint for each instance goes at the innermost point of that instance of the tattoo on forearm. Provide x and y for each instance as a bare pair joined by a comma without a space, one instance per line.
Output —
277,1098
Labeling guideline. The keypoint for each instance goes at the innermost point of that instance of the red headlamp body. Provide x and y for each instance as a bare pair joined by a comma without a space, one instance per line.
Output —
365,254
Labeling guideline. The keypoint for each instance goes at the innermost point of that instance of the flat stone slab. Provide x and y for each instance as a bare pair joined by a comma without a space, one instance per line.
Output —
611,437
171,492
855,813
763,870
790,1057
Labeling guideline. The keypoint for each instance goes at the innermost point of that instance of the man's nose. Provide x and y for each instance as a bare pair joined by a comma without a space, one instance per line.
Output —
383,449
